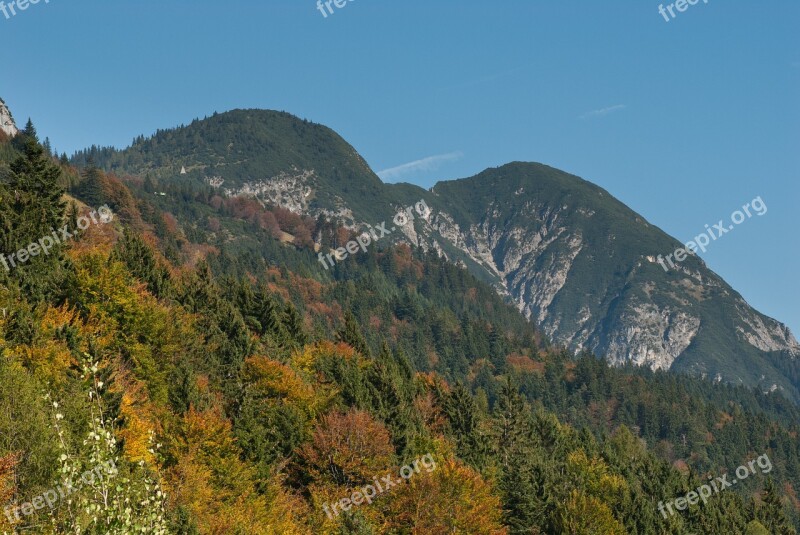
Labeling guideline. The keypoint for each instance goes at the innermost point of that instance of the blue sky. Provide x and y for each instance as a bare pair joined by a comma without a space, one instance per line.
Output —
685,121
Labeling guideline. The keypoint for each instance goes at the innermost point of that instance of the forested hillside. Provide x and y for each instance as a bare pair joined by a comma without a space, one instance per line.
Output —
189,353
576,261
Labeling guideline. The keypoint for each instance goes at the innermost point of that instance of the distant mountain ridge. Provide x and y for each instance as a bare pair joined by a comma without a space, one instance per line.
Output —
576,261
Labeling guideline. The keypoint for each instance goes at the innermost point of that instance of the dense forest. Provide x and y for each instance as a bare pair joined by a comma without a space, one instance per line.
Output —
190,355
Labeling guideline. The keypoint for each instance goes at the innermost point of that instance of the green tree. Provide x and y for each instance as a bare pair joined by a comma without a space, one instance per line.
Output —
31,212
771,513
466,424
351,334
91,188
522,480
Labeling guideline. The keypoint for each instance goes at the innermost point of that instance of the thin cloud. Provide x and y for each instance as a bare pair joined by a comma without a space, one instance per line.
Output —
602,112
430,163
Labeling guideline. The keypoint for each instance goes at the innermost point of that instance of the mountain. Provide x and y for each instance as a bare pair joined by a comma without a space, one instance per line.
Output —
584,267
215,379
575,260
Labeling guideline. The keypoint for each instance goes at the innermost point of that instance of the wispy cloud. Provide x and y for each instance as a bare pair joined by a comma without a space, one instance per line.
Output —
602,112
430,163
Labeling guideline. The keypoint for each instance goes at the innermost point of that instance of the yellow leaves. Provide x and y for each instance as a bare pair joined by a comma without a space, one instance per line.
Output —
47,362
275,380
139,421
585,515
305,359
588,508
219,490
270,379
451,499
594,476
285,510
50,357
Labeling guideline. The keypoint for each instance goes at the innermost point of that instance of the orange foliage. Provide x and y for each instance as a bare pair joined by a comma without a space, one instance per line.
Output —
8,466
348,449
171,222
431,413
136,413
309,289
219,490
375,322
521,363
451,499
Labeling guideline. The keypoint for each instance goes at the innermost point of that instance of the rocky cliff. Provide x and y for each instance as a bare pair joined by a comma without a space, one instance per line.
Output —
7,124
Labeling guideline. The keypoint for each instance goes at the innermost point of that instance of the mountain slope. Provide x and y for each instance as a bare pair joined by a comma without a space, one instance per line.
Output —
576,261
274,155
583,266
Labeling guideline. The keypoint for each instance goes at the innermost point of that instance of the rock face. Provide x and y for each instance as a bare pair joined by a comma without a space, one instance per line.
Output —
7,124
583,267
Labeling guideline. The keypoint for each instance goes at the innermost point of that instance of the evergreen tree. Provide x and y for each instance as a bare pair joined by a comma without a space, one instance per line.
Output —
293,325
30,131
140,259
392,396
91,189
351,334
31,209
521,479
771,513
466,424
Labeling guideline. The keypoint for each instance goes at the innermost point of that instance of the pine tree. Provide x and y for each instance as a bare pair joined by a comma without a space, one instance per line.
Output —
293,324
351,334
148,185
521,481
90,189
48,148
268,314
771,513
30,131
132,250
31,209
465,421
392,396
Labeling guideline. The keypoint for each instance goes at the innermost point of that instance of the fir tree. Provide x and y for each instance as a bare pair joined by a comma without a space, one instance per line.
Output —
771,513
91,189
293,325
351,334
521,481
465,422
31,209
